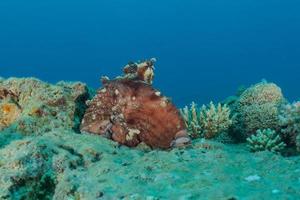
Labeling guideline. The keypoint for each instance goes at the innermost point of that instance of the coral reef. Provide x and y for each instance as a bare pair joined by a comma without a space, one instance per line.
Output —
130,111
265,140
258,108
207,122
289,120
31,106
42,157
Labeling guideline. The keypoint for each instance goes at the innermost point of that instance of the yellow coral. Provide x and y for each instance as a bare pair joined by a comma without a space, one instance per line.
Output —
214,120
191,119
206,122
9,113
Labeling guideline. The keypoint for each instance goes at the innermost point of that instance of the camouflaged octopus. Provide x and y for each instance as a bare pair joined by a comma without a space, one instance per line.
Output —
130,111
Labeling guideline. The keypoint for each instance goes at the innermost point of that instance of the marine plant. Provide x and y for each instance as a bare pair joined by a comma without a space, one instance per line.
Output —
265,140
258,108
289,119
207,122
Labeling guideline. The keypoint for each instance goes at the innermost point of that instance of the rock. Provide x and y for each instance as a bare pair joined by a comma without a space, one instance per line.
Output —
30,106
253,178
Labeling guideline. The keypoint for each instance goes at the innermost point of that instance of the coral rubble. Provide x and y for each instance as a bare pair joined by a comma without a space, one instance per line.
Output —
265,140
130,111
31,106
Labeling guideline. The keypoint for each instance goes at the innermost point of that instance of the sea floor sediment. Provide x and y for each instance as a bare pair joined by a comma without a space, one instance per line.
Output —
66,165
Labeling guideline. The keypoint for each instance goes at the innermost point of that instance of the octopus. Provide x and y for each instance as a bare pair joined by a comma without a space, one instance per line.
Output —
130,111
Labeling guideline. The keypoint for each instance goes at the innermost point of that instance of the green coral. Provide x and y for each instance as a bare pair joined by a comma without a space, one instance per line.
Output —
265,140
207,122
289,119
258,108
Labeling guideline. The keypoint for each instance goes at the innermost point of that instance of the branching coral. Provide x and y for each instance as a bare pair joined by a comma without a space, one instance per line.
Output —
258,108
265,140
214,120
207,122
289,119
191,118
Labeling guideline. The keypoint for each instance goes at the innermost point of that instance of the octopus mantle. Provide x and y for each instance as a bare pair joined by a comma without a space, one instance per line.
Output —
131,112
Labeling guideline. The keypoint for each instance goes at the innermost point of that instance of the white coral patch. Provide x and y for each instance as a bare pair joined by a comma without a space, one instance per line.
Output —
103,90
132,132
117,92
157,93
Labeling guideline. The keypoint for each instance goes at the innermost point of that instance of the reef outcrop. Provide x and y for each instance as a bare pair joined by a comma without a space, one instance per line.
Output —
33,107
130,111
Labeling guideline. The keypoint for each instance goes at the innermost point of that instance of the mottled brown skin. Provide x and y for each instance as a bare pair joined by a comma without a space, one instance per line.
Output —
130,111
125,105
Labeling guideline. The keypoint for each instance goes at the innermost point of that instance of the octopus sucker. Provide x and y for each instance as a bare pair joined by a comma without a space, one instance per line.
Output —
130,111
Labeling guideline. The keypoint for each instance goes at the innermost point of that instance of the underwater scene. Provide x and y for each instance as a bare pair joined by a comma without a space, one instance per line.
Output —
149,100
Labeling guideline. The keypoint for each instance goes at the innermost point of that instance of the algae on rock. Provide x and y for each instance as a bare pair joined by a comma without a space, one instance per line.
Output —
31,106
62,165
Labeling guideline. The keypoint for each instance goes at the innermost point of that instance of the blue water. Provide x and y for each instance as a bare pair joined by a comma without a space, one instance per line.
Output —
205,48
